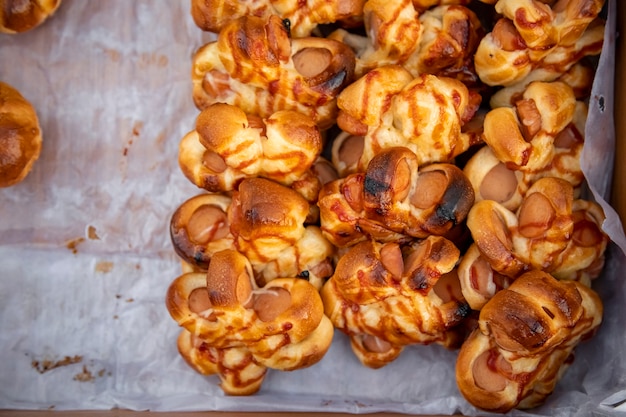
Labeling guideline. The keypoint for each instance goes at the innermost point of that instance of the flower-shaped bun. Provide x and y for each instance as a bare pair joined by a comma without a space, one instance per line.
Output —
533,41
393,200
267,221
254,65
388,107
281,325
524,342
550,231
227,146
523,136
385,297
304,17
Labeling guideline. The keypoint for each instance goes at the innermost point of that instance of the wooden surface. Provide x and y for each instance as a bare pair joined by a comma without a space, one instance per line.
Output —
124,413
618,197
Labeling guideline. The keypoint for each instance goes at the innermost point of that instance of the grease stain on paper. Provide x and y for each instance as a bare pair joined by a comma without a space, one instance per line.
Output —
45,365
73,244
104,266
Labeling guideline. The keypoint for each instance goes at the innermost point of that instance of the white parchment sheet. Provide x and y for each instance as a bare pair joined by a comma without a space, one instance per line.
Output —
85,255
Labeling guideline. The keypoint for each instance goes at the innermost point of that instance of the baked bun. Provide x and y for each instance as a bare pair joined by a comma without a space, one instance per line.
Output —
20,136
544,233
533,41
523,136
393,200
23,15
228,145
303,16
525,341
267,221
255,65
388,107
280,325
385,296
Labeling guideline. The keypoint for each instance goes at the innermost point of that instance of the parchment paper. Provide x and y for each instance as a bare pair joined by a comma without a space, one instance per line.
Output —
85,255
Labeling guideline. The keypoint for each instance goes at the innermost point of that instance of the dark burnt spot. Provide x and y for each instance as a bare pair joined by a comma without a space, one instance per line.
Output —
374,186
287,26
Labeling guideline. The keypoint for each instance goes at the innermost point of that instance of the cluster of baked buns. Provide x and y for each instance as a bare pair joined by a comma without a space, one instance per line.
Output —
407,172
20,132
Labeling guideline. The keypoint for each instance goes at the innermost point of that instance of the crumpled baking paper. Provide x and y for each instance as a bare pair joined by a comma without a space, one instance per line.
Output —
85,255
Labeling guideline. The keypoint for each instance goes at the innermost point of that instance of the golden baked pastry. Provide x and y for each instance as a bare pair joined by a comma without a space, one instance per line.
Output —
394,201
538,234
524,342
440,41
281,325
506,184
20,136
523,136
199,228
388,107
256,66
303,16
385,296
17,16
534,41
393,31
239,372
267,221
227,146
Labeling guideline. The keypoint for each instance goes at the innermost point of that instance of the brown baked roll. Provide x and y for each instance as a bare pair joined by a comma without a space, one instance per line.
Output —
254,65
549,231
440,41
281,325
506,184
304,17
394,200
533,236
583,258
227,146
533,41
199,228
523,136
24,15
267,221
393,32
239,372
385,296
525,341
390,108
20,136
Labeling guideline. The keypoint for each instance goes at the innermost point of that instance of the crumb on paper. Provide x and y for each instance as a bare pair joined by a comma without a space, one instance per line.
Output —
46,365
73,244
149,59
118,296
115,317
113,54
104,267
84,376
91,233
130,300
